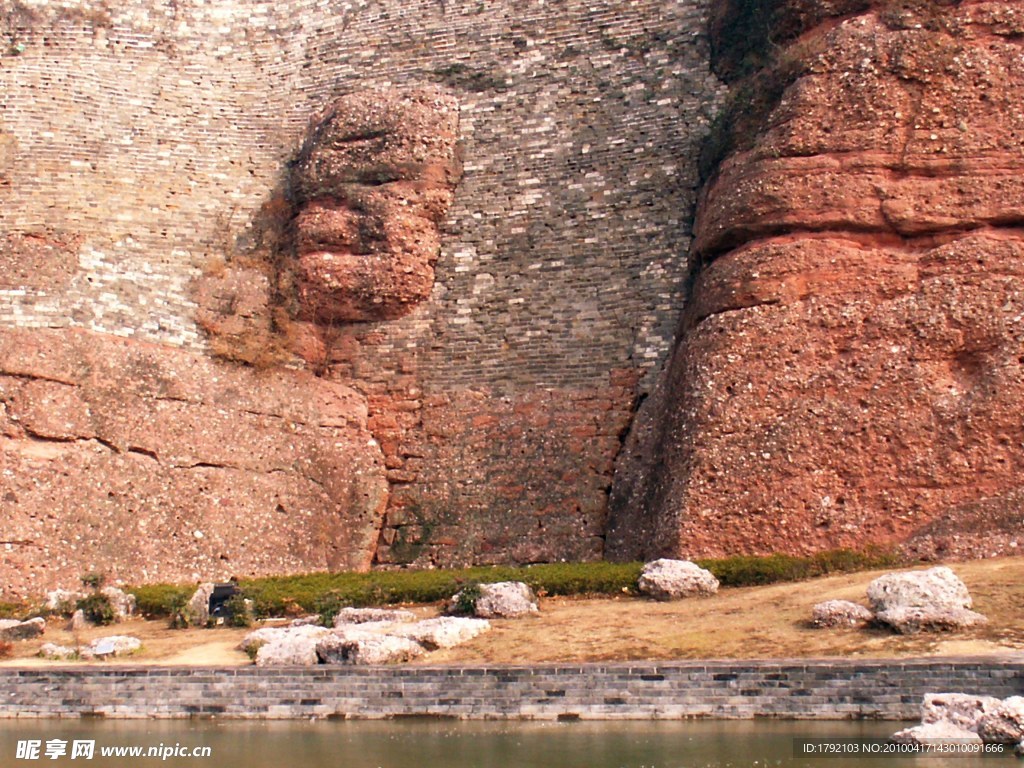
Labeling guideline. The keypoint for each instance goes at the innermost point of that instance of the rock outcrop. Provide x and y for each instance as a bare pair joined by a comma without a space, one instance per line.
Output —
849,366
161,465
373,182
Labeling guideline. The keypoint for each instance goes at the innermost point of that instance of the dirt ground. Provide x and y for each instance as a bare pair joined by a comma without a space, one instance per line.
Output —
756,622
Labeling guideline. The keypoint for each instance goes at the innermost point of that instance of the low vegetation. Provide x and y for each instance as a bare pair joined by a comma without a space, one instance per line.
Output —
325,593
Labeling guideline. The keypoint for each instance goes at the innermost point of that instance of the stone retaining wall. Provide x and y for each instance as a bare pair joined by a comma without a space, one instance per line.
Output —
822,689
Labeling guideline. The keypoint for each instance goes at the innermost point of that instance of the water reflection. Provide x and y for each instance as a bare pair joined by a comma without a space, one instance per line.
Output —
449,744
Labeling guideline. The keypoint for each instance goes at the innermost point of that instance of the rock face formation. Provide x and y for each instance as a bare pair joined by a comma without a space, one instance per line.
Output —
157,464
373,182
849,369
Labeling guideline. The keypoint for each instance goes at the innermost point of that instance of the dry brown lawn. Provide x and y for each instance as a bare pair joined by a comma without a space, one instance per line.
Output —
756,622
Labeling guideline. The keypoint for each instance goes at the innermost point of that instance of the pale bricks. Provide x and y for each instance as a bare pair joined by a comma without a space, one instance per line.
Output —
889,689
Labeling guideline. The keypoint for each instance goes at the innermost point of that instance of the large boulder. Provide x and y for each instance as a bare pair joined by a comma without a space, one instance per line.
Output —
285,636
1004,724
287,650
444,632
358,647
915,601
840,613
11,629
674,579
500,600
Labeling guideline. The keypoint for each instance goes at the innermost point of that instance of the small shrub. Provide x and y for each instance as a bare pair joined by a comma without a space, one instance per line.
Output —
11,610
97,609
239,611
6,649
465,600
161,599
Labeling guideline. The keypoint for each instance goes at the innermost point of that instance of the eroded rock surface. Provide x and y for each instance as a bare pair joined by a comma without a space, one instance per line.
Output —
373,182
849,369
163,465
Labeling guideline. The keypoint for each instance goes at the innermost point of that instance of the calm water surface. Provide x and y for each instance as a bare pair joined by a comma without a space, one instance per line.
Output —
433,744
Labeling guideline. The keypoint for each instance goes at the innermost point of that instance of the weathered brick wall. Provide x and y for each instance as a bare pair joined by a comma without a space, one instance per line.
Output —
145,137
835,690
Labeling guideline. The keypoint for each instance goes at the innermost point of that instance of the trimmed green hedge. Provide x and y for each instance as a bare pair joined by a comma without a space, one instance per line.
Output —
324,593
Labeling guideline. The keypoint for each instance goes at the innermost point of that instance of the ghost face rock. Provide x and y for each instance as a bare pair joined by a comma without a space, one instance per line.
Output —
373,182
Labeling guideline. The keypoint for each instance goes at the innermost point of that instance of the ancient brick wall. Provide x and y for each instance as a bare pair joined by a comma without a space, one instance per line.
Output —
139,140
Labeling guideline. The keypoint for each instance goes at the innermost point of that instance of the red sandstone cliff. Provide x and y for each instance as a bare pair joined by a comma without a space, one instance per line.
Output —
154,464
849,370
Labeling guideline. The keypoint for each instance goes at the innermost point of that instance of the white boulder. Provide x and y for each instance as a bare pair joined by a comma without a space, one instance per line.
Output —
674,579
915,601
108,647
501,600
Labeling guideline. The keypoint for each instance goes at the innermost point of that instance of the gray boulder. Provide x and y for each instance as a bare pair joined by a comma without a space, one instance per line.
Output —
358,647
444,632
122,603
1005,724
197,609
674,579
916,601
350,616
77,622
501,600
840,613
109,647
10,629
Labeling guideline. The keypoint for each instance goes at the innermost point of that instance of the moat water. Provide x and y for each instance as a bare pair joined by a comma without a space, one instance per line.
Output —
444,744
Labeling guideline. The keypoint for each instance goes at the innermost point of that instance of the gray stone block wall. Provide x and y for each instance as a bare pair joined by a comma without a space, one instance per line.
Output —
779,689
